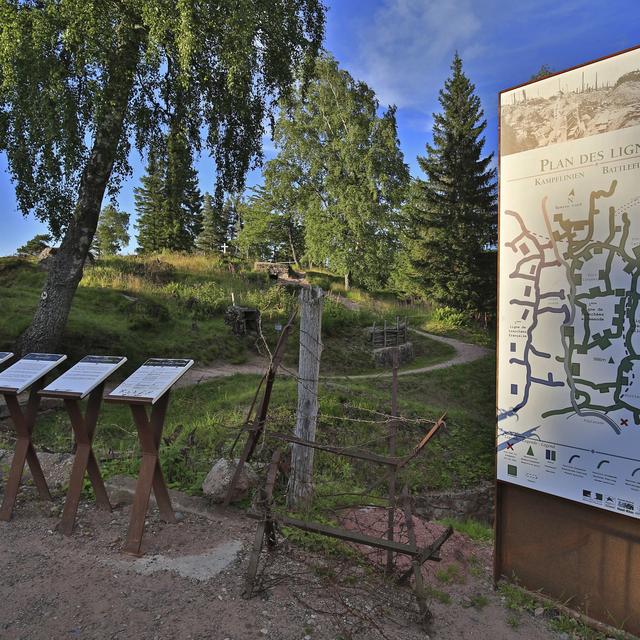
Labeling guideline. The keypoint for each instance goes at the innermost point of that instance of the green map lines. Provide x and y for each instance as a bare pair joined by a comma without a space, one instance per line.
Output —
569,376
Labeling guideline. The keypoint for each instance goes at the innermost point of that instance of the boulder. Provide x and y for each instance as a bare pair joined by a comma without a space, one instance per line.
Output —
217,482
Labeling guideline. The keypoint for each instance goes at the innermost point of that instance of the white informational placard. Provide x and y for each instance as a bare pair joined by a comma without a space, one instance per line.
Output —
152,379
569,303
4,356
85,376
27,370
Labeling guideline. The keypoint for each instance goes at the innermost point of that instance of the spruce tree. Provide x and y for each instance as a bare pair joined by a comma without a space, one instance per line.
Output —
453,211
215,227
183,213
150,205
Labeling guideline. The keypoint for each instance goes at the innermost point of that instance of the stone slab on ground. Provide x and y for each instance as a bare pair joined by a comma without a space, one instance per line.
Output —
200,567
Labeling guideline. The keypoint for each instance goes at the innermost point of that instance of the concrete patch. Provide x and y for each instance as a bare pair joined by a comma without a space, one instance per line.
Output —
201,567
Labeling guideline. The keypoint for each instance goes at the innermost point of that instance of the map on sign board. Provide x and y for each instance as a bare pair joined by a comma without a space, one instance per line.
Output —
4,356
26,371
569,345
152,379
85,376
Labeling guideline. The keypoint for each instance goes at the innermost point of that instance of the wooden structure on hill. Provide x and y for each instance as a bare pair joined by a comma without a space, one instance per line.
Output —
388,335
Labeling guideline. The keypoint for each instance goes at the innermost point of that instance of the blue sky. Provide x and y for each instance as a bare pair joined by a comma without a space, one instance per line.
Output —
403,48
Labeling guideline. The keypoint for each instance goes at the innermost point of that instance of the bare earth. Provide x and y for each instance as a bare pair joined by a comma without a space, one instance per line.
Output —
190,581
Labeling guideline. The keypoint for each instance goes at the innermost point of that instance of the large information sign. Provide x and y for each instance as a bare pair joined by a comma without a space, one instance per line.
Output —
84,376
27,370
151,380
569,343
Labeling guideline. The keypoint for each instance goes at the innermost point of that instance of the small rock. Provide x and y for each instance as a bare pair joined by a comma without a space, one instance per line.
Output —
538,612
217,482
264,632
179,516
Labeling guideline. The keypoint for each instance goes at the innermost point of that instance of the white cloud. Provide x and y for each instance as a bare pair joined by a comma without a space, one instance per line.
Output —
405,48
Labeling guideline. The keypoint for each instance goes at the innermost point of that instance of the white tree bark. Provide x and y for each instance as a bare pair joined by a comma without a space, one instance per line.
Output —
301,480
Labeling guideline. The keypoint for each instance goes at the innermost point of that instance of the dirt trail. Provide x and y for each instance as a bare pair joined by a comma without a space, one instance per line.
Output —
465,352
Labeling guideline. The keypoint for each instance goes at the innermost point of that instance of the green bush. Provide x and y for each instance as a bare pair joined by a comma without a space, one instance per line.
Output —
449,318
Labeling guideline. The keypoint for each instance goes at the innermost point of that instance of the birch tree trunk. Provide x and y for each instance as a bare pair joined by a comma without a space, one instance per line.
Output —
65,272
301,480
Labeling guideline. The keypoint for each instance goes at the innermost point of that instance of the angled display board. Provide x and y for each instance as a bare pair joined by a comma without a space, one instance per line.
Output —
569,348
148,383
4,356
27,370
84,376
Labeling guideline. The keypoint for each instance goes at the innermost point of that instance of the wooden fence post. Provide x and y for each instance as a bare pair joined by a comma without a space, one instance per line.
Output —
300,491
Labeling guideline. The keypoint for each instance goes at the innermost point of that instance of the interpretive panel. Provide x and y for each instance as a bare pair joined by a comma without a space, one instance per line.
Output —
26,371
85,376
152,379
4,356
569,348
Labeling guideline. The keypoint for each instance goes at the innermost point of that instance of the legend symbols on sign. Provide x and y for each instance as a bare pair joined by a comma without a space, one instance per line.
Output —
151,380
85,376
26,371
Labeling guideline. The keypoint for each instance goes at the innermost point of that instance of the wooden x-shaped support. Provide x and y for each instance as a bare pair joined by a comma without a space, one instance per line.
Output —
24,422
84,428
150,475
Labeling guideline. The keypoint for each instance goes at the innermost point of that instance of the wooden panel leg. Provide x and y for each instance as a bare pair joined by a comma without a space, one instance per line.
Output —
140,504
75,489
102,497
162,496
37,473
13,481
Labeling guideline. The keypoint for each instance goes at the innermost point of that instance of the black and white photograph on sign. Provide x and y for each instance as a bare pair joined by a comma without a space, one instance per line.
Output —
4,356
152,379
27,370
86,375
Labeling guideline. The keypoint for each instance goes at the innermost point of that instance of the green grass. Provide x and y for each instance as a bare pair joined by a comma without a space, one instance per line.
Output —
473,529
173,306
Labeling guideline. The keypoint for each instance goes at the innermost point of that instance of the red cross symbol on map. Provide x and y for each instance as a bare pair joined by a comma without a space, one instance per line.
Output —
624,422
509,446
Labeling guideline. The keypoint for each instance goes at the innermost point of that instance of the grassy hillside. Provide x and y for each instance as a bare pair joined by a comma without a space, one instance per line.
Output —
203,421
173,306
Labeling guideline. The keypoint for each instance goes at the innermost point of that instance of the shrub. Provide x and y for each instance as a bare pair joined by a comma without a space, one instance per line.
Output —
449,318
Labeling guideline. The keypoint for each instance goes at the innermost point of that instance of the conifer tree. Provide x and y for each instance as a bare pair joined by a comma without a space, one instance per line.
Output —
150,205
215,226
453,211
183,204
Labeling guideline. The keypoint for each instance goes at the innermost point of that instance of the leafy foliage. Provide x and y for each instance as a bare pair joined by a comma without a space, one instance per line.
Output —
112,233
339,177
453,211
34,246
221,61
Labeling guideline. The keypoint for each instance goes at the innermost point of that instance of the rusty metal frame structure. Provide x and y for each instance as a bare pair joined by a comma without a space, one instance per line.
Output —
584,557
260,418
269,521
